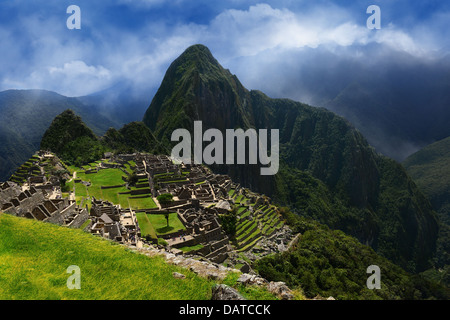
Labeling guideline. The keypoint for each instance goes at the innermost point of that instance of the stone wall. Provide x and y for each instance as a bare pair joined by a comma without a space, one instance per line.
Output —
81,218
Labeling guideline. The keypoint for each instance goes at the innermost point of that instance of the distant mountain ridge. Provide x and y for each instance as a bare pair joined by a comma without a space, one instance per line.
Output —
400,105
429,167
363,198
26,115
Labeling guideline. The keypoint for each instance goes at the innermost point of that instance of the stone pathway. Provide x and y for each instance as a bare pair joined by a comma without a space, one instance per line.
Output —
293,241
177,240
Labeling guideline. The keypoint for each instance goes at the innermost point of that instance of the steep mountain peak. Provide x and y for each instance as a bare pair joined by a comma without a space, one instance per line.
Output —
199,55
69,122
196,87
70,139
197,60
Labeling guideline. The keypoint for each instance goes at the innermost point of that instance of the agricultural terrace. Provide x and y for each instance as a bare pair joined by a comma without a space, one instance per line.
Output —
254,222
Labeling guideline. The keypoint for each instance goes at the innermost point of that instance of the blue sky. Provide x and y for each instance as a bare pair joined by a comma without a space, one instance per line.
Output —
136,40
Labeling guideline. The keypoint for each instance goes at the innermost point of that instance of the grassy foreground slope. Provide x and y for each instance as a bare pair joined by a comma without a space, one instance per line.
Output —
34,257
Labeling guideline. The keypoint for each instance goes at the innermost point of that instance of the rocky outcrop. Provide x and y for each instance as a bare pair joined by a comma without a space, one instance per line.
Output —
224,292
218,272
280,289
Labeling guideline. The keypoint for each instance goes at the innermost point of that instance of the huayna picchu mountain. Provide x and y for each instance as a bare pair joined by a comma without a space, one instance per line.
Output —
70,138
328,171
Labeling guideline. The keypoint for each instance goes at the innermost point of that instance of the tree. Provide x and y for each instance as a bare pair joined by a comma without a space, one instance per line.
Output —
165,198
167,218
133,179
229,220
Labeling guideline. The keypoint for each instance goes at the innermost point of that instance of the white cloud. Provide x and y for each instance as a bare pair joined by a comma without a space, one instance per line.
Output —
80,69
81,65
74,78
261,27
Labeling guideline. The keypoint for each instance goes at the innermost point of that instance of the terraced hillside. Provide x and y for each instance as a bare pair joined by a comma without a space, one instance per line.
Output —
32,168
255,221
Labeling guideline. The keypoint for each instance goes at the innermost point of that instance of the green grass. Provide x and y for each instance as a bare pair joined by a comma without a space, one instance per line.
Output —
159,222
112,194
72,169
145,225
80,190
123,201
68,186
78,200
142,203
85,224
105,177
128,168
34,257
110,177
191,248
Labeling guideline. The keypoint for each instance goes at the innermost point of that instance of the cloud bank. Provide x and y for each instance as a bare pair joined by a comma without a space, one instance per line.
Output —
135,41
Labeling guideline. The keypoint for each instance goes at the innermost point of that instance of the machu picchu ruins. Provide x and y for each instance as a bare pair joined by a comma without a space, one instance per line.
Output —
120,197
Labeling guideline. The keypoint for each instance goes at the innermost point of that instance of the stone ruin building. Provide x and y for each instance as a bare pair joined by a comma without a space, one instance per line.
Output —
112,222
199,197
34,203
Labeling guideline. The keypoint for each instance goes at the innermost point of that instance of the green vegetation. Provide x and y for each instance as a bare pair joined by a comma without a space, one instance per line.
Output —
348,184
329,263
27,114
430,170
165,198
104,177
76,144
28,169
247,228
191,248
72,140
328,173
85,224
34,257
132,137
159,222
228,222
118,195
147,229
139,203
